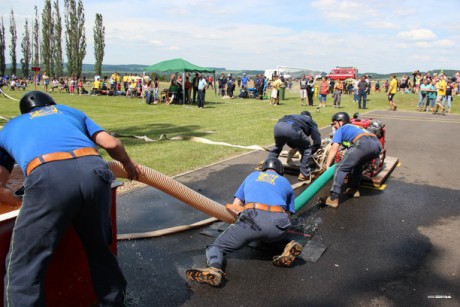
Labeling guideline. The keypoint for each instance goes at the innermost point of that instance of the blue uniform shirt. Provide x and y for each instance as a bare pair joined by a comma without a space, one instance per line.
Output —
347,133
267,188
54,128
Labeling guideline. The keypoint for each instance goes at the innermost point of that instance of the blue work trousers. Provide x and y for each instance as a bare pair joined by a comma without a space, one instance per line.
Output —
251,225
59,194
364,150
201,95
362,96
291,134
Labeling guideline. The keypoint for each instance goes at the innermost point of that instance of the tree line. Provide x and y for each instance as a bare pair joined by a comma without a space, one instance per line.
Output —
41,44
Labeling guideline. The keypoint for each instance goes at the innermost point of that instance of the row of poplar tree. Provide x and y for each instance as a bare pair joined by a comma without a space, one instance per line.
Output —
41,43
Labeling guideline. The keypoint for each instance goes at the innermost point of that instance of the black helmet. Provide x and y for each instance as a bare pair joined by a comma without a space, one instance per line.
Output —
306,113
341,117
274,164
34,99
376,127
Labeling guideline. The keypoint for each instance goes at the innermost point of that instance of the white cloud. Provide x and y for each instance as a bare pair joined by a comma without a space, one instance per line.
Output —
424,44
445,43
249,34
418,34
377,24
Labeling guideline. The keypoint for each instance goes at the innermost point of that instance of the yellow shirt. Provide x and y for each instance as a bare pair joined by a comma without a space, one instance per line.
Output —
393,86
97,84
277,84
441,86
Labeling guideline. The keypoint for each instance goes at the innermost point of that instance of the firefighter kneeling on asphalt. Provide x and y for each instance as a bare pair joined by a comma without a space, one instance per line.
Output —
362,147
263,203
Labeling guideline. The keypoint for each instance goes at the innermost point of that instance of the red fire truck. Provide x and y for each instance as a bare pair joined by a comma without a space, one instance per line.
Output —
343,73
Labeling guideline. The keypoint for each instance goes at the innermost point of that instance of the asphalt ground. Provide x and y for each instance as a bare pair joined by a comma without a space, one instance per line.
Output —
397,246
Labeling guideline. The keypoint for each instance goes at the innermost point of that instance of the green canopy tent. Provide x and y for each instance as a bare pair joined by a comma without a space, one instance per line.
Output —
180,65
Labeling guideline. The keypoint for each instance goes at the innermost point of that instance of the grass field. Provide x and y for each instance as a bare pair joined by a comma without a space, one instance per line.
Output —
235,121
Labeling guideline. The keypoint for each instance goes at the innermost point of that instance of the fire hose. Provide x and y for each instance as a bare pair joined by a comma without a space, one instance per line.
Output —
183,193
177,190
3,93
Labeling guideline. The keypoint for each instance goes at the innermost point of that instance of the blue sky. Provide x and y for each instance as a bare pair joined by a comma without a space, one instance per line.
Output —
374,36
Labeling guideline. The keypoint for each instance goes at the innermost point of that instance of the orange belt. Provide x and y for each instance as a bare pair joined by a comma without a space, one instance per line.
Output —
264,207
361,135
57,156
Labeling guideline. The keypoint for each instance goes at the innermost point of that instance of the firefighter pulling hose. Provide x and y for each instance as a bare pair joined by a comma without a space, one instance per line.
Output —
362,148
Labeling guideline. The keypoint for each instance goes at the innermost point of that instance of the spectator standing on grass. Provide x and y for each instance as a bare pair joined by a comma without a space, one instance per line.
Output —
331,86
230,85
431,96
422,95
195,82
244,81
323,91
303,89
338,88
449,93
362,92
261,87
310,89
457,80
201,91
46,82
276,85
125,82
72,85
392,92
113,81
368,80
188,89
222,83
377,86
441,86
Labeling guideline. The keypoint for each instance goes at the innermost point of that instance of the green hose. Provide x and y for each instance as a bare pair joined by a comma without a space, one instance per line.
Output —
314,188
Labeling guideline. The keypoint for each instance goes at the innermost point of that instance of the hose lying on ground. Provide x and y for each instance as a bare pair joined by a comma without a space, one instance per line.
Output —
166,231
3,93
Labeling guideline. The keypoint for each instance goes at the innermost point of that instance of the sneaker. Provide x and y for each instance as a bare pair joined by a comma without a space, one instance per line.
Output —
353,192
395,107
291,251
332,203
211,276
306,179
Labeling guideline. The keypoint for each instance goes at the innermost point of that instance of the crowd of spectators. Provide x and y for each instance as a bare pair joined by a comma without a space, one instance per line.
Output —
435,91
